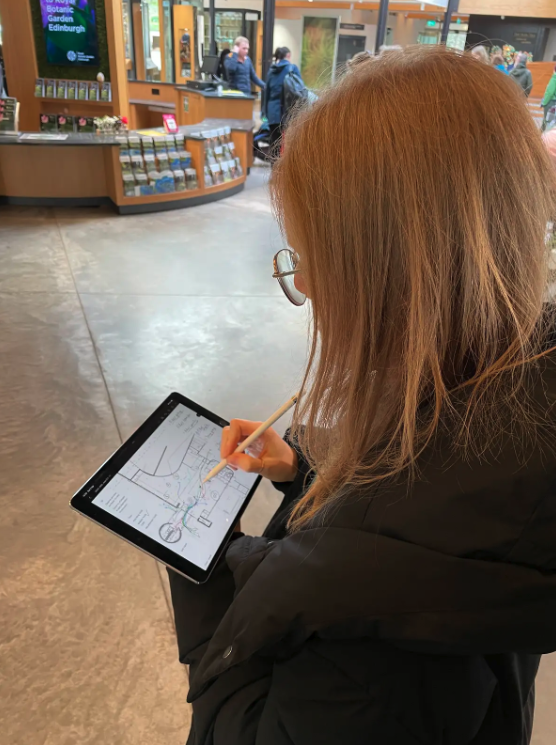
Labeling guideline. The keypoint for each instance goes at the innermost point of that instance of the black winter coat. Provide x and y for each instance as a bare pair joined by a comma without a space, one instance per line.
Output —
403,618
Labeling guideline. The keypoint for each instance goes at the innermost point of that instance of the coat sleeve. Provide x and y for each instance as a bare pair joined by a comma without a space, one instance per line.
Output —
529,83
254,77
228,711
550,91
231,64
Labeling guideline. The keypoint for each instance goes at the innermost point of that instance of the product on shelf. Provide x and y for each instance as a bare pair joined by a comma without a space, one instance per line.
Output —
217,175
185,159
134,142
85,124
137,165
93,91
147,145
39,88
129,185
125,163
50,89
106,92
65,123
61,88
72,89
191,178
49,123
174,160
148,167
179,179
8,115
144,187
208,177
162,160
83,90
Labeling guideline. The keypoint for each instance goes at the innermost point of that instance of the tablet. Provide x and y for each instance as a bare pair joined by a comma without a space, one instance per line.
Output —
150,492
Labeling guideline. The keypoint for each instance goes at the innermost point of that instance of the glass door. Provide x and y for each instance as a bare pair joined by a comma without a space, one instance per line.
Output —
229,25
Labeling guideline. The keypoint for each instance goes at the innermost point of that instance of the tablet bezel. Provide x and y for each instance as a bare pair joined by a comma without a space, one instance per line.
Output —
82,503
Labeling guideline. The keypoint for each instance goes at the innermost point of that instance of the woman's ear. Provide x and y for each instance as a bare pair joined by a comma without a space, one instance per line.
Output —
300,284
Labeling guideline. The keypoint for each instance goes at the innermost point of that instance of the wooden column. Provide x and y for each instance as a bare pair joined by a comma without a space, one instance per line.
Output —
184,19
116,54
20,59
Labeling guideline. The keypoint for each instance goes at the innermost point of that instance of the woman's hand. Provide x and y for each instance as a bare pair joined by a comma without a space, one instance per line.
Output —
272,457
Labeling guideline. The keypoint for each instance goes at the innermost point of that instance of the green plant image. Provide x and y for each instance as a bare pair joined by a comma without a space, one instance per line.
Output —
318,51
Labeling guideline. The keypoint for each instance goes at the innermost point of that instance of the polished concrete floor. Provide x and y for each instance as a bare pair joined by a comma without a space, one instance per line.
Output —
100,318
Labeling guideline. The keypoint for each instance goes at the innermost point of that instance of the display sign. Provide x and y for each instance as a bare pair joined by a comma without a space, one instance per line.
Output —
70,32
352,26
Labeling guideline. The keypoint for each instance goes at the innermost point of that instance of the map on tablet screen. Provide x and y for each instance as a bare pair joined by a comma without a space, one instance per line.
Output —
159,491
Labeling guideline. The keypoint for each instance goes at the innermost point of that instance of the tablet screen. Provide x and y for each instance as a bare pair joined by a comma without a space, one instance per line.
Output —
159,491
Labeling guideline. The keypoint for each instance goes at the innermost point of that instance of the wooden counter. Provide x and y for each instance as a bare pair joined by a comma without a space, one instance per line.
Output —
84,170
194,106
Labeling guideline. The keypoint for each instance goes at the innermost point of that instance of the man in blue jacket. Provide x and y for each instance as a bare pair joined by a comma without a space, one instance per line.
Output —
239,68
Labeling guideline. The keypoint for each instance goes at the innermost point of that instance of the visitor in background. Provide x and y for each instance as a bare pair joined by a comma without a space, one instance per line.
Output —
549,101
240,72
498,63
405,589
273,108
522,75
221,71
480,53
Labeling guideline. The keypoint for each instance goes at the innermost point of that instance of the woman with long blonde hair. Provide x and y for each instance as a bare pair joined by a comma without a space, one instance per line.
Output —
405,590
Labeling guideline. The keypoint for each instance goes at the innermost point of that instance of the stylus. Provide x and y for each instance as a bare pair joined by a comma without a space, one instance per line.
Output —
257,433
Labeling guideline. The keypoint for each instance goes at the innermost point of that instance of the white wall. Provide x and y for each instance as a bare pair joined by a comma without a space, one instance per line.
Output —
287,33
405,30
288,26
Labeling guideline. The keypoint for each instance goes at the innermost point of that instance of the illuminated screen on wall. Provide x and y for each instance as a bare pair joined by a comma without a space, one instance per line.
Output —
70,31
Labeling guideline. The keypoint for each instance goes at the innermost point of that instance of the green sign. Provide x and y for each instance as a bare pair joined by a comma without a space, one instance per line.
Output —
70,32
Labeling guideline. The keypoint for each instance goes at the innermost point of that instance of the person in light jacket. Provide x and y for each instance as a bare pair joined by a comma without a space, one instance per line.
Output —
405,589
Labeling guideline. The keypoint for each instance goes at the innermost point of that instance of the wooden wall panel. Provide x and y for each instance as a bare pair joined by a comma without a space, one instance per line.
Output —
541,72
521,8
144,92
50,171
20,60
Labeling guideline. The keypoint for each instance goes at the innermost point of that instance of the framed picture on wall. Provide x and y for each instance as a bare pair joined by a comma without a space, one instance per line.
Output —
319,50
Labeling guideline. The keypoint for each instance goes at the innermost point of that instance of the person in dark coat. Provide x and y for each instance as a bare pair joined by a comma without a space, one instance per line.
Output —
240,72
522,75
405,589
272,104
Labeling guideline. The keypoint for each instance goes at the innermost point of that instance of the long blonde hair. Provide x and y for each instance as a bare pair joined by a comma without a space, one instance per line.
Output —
417,192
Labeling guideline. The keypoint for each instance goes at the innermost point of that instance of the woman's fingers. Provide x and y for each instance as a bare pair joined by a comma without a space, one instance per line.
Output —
238,430
246,463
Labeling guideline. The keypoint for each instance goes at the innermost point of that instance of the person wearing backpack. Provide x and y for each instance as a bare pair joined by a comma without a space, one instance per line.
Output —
273,105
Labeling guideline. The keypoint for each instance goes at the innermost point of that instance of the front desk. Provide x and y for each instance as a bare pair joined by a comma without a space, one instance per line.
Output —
85,170
195,105
149,101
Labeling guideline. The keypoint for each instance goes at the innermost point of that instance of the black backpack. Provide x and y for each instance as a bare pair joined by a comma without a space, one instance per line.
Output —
294,92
